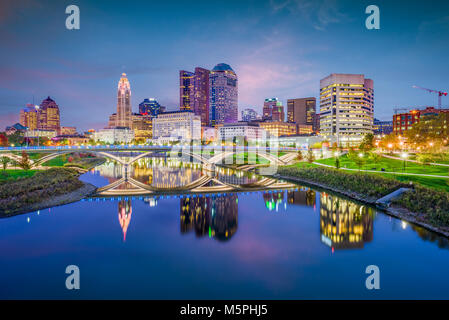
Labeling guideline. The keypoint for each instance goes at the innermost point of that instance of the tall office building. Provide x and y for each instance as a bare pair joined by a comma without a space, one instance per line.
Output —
49,118
301,111
346,106
186,87
201,95
273,110
29,117
194,93
223,95
124,116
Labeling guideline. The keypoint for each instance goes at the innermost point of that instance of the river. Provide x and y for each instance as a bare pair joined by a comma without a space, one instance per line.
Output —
291,244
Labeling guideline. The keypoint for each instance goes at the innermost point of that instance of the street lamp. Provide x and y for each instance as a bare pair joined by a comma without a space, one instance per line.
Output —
404,156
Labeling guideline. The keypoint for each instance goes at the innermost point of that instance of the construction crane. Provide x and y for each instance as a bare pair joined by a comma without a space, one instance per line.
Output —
440,94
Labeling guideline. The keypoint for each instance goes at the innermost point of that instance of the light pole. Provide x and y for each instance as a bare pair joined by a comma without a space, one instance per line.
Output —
404,156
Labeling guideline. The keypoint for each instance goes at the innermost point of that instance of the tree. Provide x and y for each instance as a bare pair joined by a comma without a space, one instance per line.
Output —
310,156
24,162
3,140
367,143
337,162
5,161
375,157
299,157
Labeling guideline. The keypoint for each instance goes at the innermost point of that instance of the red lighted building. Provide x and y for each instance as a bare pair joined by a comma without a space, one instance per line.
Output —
404,121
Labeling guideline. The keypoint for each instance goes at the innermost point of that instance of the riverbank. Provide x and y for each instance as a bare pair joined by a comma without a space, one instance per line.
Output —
49,188
368,189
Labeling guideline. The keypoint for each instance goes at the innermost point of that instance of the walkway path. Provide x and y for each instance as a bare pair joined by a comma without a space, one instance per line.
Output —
415,161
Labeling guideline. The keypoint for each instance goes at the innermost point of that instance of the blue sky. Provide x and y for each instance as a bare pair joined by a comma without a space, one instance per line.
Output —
278,48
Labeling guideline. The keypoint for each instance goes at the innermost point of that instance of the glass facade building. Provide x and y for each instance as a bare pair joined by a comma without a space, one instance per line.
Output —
223,95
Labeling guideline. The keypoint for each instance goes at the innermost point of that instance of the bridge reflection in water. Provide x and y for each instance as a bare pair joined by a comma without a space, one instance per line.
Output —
156,175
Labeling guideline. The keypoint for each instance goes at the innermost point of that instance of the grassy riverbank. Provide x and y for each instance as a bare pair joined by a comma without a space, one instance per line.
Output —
19,194
423,204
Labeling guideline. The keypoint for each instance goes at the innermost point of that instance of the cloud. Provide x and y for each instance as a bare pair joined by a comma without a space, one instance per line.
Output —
318,13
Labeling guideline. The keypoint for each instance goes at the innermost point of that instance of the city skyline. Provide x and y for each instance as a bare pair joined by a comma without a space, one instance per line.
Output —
284,59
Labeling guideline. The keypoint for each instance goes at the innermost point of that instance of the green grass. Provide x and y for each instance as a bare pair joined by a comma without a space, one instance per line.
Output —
430,182
390,165
12,174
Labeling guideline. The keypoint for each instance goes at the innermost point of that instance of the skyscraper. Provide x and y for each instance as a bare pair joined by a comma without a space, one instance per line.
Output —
194,93
124,116
273,110
201,95
186,87
301,111
223,95
48,117
346,107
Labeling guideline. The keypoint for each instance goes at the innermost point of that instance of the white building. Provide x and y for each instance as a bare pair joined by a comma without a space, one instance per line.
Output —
250,131
114,135
346,107
40,133
181,125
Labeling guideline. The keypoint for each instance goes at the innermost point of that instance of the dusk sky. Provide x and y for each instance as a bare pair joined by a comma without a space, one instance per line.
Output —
278,48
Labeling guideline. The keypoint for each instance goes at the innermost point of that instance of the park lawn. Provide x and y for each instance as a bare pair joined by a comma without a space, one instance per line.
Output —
391,165
12,174
430,182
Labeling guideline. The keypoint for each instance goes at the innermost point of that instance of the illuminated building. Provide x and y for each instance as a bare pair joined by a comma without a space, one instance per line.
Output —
124,116
243,130
223,95
405,121
249,115
201,95
279,128
180,125
71,140
344,224
273,110
194,93
215,217
68,131
9,130
40,133
301,111
346,107
142,125
29,117
114,135
382,127
304,129
48,115
150,107
125,211
186,87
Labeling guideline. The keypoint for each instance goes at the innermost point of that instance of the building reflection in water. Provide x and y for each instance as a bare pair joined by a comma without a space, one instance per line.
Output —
215,217
124,215
302,197
274,200
344,224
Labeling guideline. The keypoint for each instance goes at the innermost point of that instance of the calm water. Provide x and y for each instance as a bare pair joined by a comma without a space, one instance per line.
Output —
261,245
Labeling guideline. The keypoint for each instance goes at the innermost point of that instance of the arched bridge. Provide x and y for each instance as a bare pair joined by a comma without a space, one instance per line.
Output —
208,156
